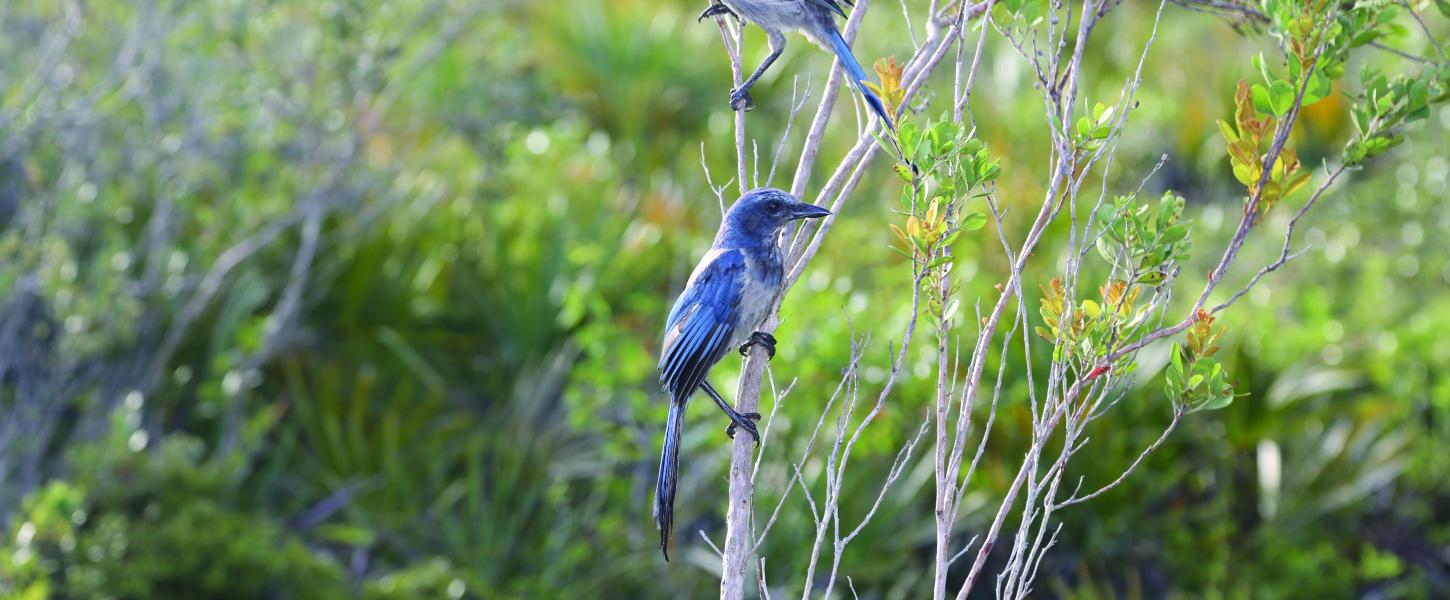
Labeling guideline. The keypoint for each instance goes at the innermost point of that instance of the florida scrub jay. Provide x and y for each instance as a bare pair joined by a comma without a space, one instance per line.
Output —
728,295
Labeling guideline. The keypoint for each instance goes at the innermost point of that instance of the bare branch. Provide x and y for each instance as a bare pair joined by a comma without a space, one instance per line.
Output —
1075,499
709,542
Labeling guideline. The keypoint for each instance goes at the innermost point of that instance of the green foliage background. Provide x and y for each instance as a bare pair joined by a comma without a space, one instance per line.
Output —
456,398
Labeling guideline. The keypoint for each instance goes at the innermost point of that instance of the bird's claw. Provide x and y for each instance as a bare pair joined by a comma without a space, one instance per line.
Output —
714,10
744,421
740,99
764,340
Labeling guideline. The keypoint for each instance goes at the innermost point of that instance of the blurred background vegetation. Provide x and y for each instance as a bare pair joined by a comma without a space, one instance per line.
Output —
362,298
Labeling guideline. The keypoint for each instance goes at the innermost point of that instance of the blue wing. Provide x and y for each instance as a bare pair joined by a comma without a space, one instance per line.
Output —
832,5
701,324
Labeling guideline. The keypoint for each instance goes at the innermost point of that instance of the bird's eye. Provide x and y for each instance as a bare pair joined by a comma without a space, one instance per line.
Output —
773,206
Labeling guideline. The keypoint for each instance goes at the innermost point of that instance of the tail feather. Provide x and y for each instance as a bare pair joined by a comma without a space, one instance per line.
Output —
664,512
858,77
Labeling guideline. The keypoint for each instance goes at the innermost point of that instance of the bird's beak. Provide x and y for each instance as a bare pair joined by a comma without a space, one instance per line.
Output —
809,211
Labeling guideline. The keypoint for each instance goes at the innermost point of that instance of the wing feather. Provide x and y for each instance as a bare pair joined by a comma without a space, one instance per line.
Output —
701,322
831,5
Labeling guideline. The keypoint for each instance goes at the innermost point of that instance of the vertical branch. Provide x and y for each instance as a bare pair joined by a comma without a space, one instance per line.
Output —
735,556
730,37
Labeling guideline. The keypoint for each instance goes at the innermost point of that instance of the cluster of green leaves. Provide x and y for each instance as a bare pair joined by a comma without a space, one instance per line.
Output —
1144,240
1021,13
1091,132
955,164
955,167
1316,38
1389,103
1144,243
1193,378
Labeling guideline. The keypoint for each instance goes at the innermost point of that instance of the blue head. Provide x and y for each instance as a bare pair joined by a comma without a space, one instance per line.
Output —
759,215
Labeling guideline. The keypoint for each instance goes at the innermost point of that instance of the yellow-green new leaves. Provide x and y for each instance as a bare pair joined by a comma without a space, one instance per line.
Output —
1052,303
926,236
923,234
1094,324
1118,297
926,239
890,90
1249,141
1202,339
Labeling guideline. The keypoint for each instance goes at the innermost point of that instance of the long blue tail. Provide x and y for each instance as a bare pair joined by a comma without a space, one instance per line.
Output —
669,472
858,76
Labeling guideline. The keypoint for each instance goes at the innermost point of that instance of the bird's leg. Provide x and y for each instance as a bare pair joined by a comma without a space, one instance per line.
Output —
740,97
744,421
762,339
717,8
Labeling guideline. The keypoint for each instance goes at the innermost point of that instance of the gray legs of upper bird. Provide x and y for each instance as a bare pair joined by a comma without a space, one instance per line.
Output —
740,97
744,421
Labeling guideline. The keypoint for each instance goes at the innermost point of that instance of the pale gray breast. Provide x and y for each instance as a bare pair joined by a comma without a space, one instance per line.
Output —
760,284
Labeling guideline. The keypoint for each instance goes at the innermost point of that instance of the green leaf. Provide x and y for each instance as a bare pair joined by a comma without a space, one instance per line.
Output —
990,173
1260,93
1281,98
1151,259
973,221
946,242
1228,132
1217,402
1104,113
903,171
1174,234
1262,66
951,309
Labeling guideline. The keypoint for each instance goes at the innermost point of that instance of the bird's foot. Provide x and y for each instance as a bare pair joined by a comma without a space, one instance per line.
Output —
762,339
717,9
740,99
744,421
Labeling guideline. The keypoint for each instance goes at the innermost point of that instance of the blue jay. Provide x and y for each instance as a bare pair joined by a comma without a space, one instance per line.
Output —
725,300
813,18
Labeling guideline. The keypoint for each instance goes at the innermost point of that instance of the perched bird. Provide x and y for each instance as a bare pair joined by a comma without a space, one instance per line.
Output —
815,19
725,300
